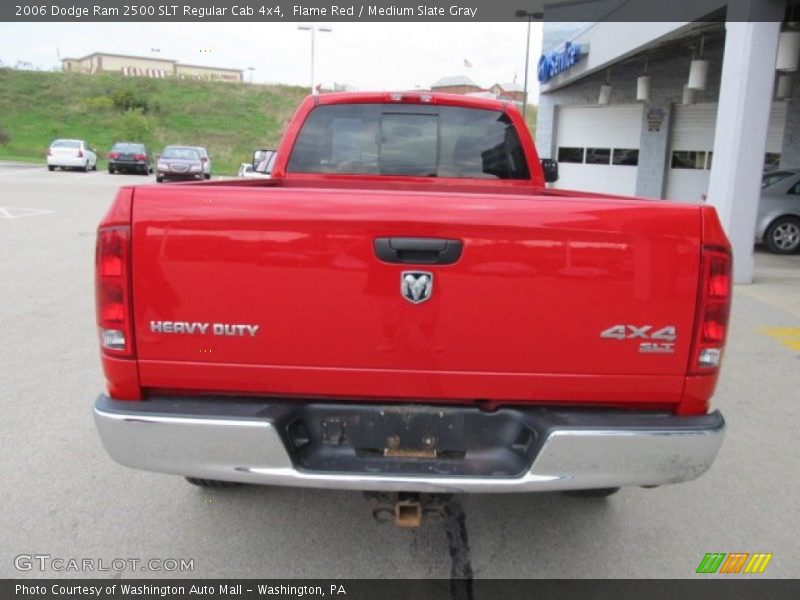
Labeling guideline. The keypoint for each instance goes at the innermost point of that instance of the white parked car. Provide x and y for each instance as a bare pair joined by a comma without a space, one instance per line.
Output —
247,170
71,154
206,160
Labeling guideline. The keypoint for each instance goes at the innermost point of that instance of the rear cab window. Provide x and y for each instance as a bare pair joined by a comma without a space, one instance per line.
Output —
409,140
124,147
181,153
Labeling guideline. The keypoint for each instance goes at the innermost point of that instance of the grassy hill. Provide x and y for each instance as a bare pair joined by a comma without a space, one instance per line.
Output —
230,119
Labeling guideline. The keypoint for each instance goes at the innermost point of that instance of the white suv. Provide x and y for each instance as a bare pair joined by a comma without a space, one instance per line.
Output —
206,159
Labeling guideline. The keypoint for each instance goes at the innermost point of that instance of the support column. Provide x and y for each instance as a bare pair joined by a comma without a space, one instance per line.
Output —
651,173
745,99
546,127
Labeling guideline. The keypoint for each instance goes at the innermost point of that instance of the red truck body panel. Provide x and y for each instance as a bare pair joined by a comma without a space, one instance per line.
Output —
518,318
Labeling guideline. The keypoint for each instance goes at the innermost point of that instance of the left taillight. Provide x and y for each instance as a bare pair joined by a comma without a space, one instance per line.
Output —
713,310
113,290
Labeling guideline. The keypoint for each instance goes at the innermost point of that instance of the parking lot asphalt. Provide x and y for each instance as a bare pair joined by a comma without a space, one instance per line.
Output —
62,495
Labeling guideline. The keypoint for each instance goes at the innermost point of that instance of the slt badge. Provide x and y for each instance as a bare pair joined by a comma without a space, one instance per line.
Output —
416,286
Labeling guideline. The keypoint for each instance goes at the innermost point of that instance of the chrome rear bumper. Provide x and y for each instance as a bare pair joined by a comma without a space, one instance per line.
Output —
235,441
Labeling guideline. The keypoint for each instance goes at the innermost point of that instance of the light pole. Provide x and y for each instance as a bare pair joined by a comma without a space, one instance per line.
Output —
524,14
155,51
313,29
251,69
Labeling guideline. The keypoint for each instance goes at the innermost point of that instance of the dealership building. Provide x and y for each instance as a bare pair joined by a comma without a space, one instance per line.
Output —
686,111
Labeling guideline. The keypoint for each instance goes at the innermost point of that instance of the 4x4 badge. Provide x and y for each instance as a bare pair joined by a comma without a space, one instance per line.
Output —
416,286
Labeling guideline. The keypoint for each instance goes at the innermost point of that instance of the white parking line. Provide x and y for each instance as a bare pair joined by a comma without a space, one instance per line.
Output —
28,170
14,212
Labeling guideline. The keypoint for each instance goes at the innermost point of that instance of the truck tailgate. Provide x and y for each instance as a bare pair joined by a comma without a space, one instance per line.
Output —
519,316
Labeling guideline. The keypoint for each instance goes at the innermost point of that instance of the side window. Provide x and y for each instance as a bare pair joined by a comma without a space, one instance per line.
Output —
598,156
770,179
684,159
772,161
626,157
795,189
568,154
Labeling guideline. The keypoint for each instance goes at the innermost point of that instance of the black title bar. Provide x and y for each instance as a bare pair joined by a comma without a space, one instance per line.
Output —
396,10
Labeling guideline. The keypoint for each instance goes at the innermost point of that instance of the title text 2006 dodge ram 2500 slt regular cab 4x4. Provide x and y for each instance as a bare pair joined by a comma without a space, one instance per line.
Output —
405,306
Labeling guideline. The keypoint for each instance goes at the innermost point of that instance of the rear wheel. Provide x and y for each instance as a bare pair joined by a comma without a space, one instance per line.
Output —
159,179
207,175
783,235
86,167
51,168
596,493
211,483
110,170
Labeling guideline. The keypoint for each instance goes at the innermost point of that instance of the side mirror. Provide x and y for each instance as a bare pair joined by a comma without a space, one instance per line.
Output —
550,168
263,160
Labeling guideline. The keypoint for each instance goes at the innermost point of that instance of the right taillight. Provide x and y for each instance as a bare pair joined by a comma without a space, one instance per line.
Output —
112,287
713,308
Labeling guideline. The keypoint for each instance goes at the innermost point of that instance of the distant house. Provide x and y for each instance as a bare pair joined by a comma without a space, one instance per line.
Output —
513,91
143,66
460,84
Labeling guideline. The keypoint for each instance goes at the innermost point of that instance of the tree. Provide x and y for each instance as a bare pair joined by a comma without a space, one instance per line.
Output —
134,125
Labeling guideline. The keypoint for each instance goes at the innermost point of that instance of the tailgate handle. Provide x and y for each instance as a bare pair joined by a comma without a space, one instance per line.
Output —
419,251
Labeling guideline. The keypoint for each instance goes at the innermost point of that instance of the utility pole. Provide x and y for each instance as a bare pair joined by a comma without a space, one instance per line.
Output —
524,14
313,29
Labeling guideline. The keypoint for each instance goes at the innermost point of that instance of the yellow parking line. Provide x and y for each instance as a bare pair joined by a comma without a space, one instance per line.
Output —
792,344
781,331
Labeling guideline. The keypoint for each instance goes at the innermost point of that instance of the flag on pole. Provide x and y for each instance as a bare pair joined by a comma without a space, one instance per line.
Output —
467,64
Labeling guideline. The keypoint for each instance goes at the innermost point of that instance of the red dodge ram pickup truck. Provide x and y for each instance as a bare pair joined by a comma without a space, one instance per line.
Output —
406,306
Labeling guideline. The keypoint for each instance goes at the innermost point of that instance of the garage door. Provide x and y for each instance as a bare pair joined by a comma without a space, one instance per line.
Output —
692,145
598,148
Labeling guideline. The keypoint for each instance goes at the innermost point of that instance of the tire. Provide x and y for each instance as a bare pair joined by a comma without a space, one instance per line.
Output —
211,483
110,170
51,168
86,167
596,493
207,175
94,167
159,179
783,235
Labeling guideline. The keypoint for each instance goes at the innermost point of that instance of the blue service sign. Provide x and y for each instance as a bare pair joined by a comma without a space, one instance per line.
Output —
553,63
